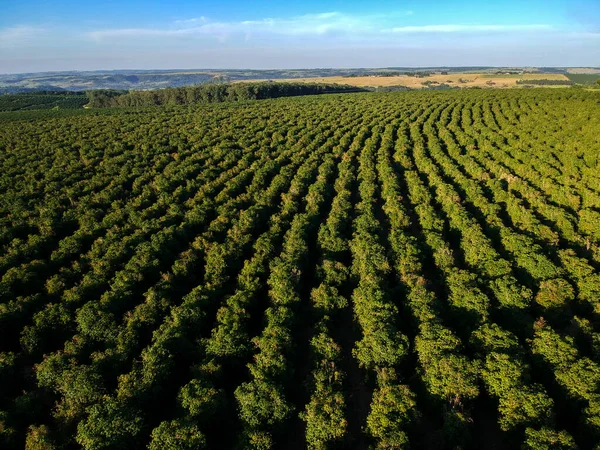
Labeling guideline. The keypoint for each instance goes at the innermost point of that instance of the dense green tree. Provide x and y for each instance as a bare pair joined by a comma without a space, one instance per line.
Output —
378,270
176,435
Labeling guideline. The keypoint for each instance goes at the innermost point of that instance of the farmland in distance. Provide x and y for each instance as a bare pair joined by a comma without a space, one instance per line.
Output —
449,80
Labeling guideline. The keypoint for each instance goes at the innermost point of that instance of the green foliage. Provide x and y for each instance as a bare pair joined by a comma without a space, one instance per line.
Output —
177,435
589,223
210,93
109,425
201,399
392,409
43,100
261,404
578,376
545,438
554,293
543,82
361,267
325,413
38,438
448,374
583,78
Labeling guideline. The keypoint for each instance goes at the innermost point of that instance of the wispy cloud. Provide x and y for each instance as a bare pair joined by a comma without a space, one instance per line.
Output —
191,22
468,28
309,24
331,24
20,35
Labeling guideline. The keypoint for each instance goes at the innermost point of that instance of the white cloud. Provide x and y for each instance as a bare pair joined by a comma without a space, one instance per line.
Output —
192,21
309,24
363,27
19,36
467,28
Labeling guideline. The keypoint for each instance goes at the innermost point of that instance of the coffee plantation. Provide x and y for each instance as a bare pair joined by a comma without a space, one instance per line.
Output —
357,270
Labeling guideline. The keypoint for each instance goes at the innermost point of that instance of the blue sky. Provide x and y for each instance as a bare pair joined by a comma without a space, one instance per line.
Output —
38,35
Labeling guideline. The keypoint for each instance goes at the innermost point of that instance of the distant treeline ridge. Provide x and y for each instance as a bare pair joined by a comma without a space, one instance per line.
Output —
547,82
211,93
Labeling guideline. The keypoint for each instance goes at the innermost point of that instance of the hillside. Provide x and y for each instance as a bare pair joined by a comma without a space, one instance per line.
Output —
360,270
159,79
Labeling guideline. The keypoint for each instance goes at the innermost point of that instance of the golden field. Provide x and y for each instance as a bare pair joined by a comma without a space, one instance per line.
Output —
454,79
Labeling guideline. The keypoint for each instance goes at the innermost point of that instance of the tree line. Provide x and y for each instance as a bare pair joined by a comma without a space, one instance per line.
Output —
543,82
210,93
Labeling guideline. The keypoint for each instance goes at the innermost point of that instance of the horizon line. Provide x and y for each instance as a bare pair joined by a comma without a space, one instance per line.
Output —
213,69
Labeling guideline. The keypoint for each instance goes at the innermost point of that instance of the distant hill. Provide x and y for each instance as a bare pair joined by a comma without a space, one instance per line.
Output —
156,79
